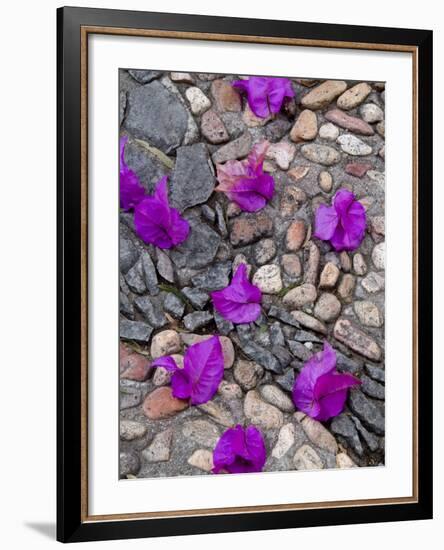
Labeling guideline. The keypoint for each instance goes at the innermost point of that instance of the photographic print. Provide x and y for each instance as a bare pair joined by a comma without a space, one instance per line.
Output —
252,270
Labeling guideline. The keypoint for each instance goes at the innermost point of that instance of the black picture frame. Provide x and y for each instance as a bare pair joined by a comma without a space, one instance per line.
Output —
71,525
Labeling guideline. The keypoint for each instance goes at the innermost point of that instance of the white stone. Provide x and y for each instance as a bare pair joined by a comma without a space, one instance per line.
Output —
353,146
307,458
129,430
344,461
329,131
202,459
378,256
277,397
282,153
377,177
199,102
373,282
166,342
260,413
368,313
371,113
268,279
316,433
285,441
159,450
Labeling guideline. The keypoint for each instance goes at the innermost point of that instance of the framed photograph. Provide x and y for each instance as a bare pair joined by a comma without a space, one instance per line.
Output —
245,274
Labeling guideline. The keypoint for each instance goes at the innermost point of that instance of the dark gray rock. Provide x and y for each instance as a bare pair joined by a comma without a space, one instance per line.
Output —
214,278
151,309
196,297
135,278
282,354
128,254
129,464
129,395
276,130
148,167
208,213
142,76
122,105
343,426
199,249
197,319
283,316
376,373
372,388
224,326
257,353
173,305
371,440
135,330
299,350
192,181
305,336
236,149
286,380
277,335
143,120
367,411
221,224
345,364
150,275
164,266
126,307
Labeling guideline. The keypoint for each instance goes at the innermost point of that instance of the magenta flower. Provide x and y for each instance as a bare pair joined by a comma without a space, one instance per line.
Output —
239,451
239,302
156,222
203,370
343,224
131,192
319,390
265,94
244,182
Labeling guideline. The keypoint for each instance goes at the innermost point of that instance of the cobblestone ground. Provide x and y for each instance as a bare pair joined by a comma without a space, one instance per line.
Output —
330,136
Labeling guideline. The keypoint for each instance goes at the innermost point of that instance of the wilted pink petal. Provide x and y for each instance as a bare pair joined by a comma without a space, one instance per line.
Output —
343,223
239,302
244,182
239,450
265,95
131,191
202,372
319,390
157,223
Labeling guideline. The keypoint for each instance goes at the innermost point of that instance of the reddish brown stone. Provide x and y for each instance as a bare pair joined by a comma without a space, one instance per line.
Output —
357,169
225,96
250,228
295,235
352,123
356,340
213,128
160,403
133,366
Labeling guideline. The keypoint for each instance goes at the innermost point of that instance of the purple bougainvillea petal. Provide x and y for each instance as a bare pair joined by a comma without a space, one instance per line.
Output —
319,390
181,384
157,223
244,181
131,191
239,302
204,367
252,194
239,450
326,221
343,223
265,95
167,362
